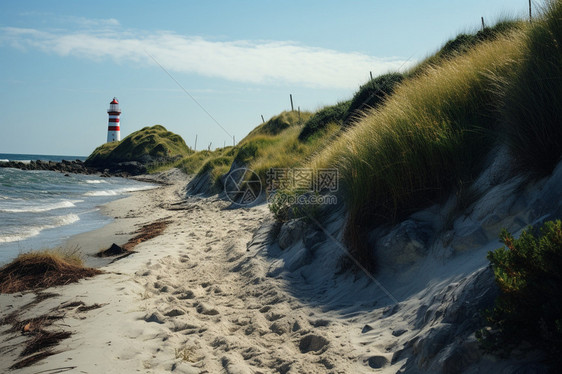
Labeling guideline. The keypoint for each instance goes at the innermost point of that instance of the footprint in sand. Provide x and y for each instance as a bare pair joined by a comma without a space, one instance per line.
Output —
204,309
183,294
174,312
313,343
274,316
155,317
280,327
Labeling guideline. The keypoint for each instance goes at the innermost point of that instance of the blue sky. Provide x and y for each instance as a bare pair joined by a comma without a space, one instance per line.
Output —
61,62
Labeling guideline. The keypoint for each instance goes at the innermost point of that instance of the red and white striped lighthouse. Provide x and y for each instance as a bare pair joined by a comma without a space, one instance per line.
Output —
113,130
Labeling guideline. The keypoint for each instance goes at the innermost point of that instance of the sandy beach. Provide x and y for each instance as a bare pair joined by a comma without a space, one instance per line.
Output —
183,303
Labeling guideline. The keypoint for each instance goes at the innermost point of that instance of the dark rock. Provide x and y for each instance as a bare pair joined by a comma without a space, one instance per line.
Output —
114,250
398,332
67,167
377,362
366,328
131,167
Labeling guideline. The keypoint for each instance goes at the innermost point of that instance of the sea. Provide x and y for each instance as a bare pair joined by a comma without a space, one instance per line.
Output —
41,209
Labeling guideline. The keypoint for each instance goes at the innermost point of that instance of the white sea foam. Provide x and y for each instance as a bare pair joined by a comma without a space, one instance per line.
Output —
65,220
95,181
102,193
30,231
118,191
41,208
27,233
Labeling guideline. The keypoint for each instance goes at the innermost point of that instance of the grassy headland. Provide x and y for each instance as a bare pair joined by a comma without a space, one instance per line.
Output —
153,146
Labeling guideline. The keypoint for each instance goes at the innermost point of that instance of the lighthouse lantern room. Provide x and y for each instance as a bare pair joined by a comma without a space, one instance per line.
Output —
113,130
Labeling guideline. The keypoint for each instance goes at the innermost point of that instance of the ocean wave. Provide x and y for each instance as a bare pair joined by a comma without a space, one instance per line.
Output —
118,191
65,220
41,208
102,193
95,181
26,232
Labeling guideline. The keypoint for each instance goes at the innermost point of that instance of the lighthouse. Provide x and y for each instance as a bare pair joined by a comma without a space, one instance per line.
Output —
113,131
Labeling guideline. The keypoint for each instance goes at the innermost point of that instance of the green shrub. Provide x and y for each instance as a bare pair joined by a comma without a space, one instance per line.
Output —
321,119
282,205
371,94
529,308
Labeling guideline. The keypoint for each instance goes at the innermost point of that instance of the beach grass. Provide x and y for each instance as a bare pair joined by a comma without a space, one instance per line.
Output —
530,95
429,138
371,95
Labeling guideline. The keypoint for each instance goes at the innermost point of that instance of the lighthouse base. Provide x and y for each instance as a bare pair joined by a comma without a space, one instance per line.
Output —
113,136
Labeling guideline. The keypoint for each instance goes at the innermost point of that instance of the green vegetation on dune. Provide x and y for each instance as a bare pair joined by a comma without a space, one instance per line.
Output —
530,96
429,137
278,123
527,271
194,162
332,114
273,144
149,145
371,95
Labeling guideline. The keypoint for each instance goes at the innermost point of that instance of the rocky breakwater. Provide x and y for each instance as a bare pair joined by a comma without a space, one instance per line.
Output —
64,166
123,169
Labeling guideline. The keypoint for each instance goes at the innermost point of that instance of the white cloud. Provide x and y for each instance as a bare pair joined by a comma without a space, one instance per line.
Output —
258,62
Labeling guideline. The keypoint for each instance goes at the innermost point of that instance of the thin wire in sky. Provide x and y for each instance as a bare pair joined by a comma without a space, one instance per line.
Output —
188,94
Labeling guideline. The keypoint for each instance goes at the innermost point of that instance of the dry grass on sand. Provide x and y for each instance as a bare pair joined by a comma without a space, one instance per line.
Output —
145,233
37,270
